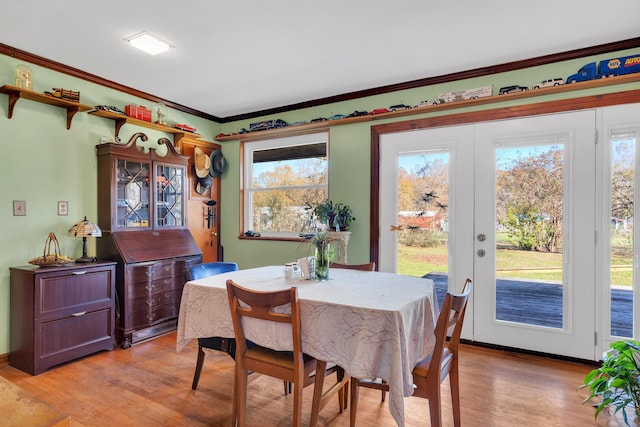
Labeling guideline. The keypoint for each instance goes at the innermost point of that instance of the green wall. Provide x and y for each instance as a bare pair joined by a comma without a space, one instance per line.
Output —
42,163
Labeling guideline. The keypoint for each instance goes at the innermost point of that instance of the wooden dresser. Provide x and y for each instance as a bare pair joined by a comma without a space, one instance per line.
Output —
60,313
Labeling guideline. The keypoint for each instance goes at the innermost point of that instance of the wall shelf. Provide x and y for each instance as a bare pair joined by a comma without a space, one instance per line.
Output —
16,93
121,120
303,128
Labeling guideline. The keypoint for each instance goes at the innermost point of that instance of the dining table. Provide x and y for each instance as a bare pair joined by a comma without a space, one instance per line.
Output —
372,324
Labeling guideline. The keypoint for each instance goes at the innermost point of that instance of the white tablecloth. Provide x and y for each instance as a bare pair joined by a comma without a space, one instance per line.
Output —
373,324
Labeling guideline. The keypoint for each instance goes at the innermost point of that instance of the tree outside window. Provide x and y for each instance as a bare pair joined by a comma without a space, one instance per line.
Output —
282,177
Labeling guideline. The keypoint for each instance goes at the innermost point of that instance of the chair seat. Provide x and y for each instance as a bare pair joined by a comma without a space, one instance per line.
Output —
284,359
422,367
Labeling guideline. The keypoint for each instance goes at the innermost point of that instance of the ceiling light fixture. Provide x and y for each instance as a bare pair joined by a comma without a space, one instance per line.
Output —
148,43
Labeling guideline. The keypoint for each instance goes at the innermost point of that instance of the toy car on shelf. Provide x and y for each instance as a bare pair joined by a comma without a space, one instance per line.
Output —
66,94
337,117
511,89
110,108
464,95
424,103
358,113
379,111
318,119
301,122
267,125
184,127
550,82
399,107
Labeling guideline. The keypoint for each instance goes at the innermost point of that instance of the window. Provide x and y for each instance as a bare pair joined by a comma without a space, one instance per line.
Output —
281,177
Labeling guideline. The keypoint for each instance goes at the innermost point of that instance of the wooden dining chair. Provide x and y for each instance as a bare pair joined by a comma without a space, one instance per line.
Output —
228,345
344,395
371,266
292,366
428,373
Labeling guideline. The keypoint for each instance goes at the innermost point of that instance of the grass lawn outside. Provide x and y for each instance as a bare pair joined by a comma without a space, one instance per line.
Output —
510,263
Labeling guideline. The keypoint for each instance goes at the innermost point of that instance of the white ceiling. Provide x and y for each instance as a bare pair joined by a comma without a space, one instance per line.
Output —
240,56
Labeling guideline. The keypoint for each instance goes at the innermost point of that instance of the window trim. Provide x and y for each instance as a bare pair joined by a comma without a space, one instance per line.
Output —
246,175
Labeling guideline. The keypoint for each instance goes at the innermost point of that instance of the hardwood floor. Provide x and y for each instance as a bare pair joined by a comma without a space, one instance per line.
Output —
150,385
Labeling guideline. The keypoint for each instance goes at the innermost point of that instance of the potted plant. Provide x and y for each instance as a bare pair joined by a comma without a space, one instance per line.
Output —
322,247
337,216
617,382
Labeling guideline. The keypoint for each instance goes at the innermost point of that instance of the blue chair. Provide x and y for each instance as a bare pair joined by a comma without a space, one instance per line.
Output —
227,345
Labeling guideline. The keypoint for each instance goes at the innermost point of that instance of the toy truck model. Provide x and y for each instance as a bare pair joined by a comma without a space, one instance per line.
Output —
607,68
461,95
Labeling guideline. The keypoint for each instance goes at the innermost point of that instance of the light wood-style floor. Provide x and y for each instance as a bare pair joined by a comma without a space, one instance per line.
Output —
150,385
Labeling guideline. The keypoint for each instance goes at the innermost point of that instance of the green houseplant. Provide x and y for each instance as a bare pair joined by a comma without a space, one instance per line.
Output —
337,216
324,254
617,381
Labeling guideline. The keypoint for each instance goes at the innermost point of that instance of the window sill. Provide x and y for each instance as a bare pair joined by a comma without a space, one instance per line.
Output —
273,238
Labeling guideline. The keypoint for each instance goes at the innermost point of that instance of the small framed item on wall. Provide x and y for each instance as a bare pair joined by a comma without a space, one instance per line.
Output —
63,208
19,208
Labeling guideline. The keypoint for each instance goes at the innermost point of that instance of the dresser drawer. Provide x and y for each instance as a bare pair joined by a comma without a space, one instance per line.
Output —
80,290
87,328
150,315
142,290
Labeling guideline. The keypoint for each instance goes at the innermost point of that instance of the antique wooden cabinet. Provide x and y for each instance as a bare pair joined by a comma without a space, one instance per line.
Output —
142,213
60,313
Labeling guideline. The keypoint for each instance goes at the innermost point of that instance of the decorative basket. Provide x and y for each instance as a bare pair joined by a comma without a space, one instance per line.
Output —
49,259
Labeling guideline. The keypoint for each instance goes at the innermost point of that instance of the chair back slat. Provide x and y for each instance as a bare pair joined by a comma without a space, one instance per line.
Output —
452,313
245,302
371,266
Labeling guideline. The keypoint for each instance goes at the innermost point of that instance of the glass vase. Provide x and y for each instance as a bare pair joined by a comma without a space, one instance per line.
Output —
323,258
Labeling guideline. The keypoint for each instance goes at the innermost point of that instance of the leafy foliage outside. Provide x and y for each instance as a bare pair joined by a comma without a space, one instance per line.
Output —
283,190
422,238
529,193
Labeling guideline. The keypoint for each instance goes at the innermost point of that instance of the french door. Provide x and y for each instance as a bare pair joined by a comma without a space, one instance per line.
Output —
618,256
509,203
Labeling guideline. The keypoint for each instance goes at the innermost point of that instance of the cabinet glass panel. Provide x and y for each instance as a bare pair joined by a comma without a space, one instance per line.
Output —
132,194
169,196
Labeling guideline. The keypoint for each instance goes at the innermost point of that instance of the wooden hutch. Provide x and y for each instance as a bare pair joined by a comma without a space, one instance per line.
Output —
142,199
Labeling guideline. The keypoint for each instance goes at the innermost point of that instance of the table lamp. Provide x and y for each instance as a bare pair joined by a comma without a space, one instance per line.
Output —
85,229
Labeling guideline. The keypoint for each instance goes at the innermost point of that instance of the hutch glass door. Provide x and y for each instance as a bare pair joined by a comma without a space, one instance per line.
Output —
132,194
169,196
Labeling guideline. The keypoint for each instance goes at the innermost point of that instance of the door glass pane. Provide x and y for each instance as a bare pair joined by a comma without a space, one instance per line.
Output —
169,202
622,187
529,232
423,222
132,194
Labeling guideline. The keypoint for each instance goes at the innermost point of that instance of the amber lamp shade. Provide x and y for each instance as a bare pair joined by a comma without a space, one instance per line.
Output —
85,229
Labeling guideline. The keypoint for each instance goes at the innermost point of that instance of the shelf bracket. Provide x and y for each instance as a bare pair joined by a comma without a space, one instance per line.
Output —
13,98
119,124
71,111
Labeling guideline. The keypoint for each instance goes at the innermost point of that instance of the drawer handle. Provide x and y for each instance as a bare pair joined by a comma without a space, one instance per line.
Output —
148,273
149,287
82,313
78,273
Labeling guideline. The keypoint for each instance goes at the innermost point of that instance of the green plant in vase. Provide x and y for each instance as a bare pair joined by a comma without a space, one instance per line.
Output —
617,382
322,243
